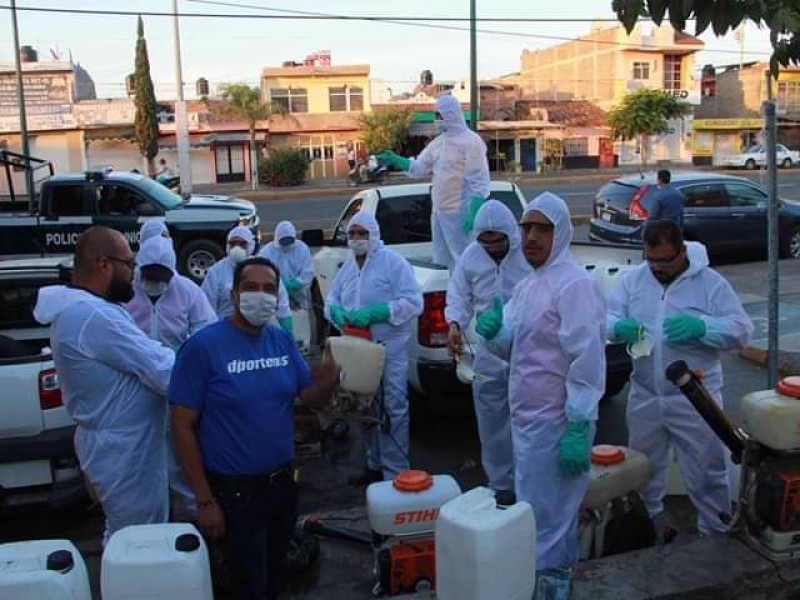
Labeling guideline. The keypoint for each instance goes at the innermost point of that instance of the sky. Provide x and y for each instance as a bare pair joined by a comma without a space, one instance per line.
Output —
235,50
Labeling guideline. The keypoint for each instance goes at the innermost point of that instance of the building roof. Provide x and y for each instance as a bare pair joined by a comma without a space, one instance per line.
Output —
317,71
684,39
45,66
575,113
307,123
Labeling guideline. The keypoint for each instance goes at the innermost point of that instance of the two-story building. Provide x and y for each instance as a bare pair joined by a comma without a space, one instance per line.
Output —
319,108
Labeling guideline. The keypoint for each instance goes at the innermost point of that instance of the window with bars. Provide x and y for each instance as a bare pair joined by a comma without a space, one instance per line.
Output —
345,98
789,95
576,147
290,100
641,70
672,72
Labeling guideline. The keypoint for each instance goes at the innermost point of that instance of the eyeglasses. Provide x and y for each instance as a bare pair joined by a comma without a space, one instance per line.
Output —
128,262
663,261
539,228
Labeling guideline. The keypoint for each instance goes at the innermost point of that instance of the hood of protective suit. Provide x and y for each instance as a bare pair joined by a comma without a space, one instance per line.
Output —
284,229
156,251
450,108
368,222
151,229
555,209
245,234
52,300
496,216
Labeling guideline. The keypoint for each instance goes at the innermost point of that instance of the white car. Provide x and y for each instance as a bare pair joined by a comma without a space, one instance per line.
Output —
403,213
756,156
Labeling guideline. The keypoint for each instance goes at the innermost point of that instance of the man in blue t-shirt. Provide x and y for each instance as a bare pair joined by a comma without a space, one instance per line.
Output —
666,201
232,395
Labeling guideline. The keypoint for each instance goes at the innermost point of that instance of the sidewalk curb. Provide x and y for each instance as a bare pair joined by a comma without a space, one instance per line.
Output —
788,362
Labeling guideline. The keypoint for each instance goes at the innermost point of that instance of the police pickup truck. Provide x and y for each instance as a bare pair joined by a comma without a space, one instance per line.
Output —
403,214
70,203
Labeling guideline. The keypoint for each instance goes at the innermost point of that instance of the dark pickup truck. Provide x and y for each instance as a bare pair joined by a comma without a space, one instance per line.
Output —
70,203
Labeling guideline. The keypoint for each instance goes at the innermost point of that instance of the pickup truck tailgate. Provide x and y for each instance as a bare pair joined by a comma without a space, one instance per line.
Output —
20,412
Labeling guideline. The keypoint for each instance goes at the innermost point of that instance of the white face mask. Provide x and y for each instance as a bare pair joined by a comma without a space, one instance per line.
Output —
154,289
237,254
257,307
359,247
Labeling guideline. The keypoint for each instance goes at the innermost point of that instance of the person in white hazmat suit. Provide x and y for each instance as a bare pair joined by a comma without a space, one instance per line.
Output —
293,258
487,272
376,289
218,281
114,380
152,228
689,312
553,334
457,161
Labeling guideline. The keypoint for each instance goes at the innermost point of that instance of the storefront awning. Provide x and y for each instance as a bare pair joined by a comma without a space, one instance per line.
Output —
110,134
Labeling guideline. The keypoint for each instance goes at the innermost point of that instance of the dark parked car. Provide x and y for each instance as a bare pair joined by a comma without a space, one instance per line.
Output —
724,212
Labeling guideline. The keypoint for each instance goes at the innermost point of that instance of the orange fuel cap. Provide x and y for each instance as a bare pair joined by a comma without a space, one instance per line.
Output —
605,455
790,386
412,480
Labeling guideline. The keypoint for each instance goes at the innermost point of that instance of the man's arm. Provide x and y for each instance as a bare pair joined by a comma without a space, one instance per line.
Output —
317,382
422,166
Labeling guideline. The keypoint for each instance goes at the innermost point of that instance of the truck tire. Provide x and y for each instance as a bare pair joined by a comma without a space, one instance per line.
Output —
750,164
787,163
196,257
790,244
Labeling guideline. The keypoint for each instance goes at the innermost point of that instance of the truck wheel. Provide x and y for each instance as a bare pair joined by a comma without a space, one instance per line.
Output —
790,245
197,257
750,164
787,163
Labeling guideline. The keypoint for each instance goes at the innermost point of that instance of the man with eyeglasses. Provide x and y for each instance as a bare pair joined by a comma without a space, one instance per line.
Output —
114,380
689,312
485,276
552,334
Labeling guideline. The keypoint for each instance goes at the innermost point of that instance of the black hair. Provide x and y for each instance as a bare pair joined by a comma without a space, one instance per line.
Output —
662,231
664,176
253,260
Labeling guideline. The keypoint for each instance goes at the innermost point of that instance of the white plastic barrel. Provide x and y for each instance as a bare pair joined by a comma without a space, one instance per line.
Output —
361,363
614,471
484,552
168,561
772,417
410,503
43,570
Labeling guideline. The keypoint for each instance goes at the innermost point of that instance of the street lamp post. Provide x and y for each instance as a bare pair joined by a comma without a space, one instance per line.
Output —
473,67
181,124
23,118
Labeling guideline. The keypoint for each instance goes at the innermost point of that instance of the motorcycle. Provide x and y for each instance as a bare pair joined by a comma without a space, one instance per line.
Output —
363,173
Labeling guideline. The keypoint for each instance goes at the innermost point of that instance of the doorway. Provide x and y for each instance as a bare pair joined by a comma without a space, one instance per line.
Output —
229,160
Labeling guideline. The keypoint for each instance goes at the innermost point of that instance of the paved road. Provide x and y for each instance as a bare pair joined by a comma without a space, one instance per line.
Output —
322,211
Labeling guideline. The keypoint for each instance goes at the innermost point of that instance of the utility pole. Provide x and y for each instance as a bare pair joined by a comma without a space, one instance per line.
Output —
23,117
473,67
181,122
771,134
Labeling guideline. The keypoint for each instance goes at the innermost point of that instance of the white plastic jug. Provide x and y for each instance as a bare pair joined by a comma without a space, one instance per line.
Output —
772,417
614,471
168,561
607,274
484,552
43,570
301,325
410,503
361,362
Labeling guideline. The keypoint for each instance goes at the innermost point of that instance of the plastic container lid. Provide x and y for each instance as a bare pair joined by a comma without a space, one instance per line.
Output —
358,332
605,455
413,481
790,386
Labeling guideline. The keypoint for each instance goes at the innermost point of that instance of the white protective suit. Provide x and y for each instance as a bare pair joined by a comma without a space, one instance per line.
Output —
475,282
180,312
659,416
386,277
114,380
457,160
152,228
553,331
294,263
218,282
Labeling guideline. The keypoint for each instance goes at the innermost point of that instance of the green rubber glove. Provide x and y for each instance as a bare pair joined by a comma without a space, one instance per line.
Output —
628,330
574,448
475,203
361,317
491,320
292,286
392,159
379,313
338,316
286,324
684,328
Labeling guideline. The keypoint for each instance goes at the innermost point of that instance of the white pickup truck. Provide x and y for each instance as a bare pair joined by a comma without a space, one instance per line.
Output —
403,213
37,457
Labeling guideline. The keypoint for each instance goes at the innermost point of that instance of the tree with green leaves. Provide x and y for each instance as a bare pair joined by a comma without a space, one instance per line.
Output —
386,129
781,17
146,119
644,113
241,102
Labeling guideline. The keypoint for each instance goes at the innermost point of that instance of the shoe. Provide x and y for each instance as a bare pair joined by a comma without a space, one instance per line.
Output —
505,497
366,477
